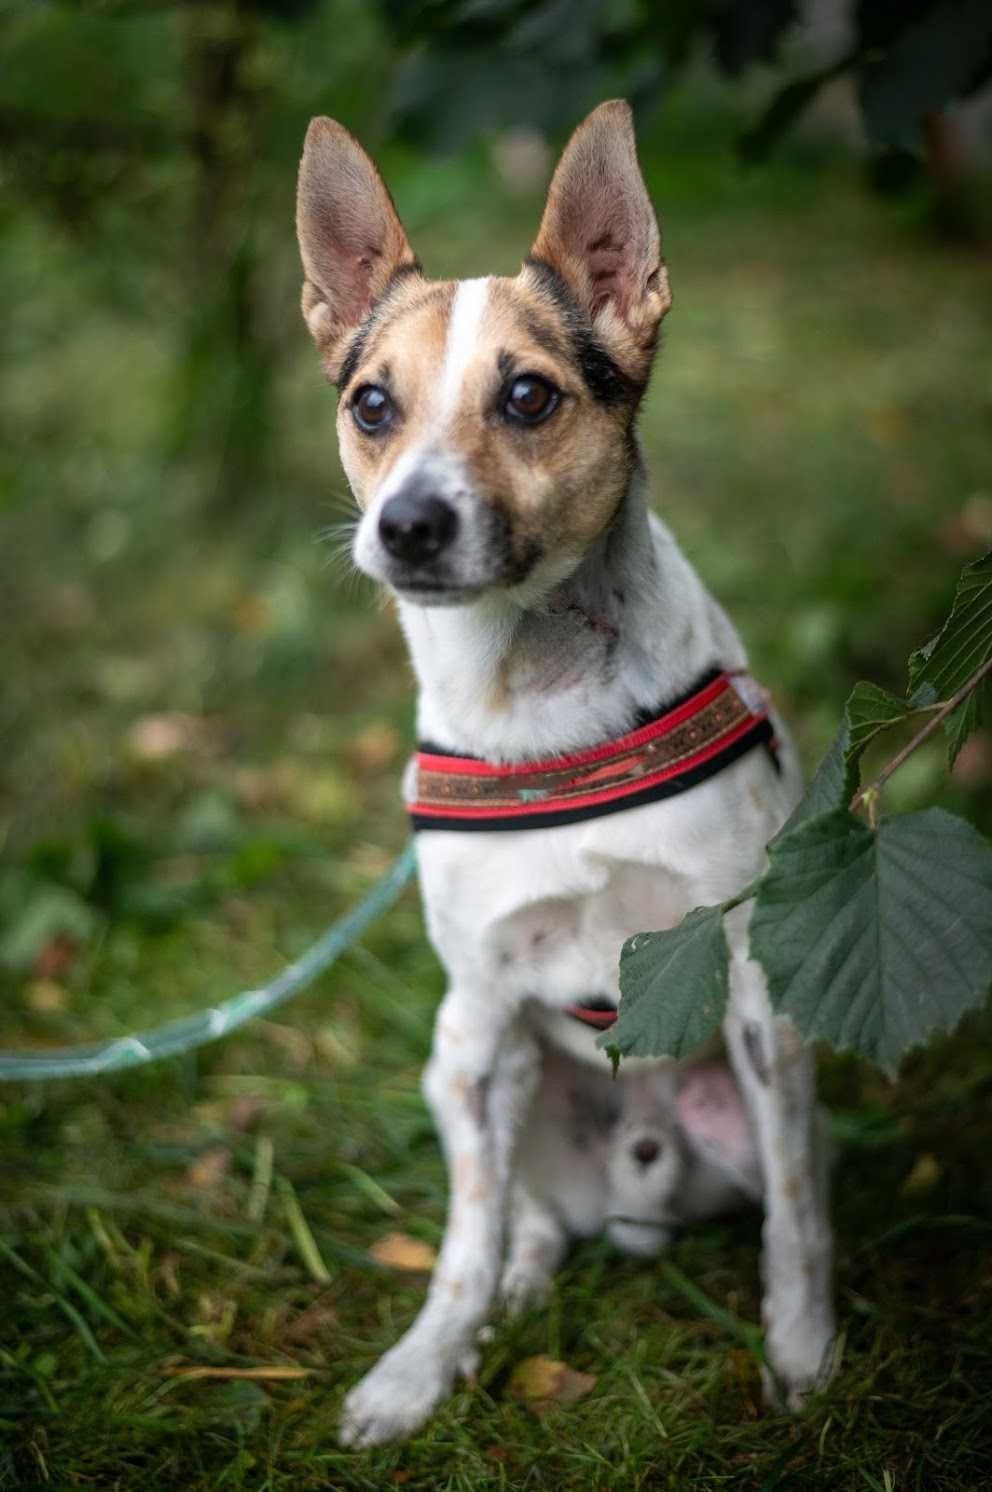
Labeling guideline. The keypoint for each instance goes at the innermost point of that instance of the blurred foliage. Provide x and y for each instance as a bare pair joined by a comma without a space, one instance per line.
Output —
203,722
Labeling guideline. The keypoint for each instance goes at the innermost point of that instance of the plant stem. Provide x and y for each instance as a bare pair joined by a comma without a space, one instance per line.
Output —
869,795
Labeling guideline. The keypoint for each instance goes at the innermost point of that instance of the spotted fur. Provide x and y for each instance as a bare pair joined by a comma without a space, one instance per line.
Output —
554,614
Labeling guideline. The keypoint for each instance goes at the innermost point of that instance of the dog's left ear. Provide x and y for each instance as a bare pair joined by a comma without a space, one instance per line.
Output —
600,234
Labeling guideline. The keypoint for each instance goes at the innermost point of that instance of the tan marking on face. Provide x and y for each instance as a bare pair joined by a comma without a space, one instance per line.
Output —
404,354
557,483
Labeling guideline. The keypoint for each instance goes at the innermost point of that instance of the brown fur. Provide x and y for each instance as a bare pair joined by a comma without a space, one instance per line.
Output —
595,300
599,232
351,239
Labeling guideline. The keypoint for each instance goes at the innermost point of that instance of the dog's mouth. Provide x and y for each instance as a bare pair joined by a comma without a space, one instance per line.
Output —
436,592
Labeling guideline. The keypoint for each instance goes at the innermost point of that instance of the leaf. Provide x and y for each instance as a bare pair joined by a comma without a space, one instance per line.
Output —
872,940
543,1381
834,784
785,107
400,1251
959,649
673,988
928,63
870,710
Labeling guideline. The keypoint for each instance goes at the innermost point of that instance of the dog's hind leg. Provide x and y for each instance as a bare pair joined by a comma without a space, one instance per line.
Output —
538,1243
776,1075
479,1082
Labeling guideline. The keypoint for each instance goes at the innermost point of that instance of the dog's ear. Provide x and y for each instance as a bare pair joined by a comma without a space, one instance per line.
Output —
351,239
600,234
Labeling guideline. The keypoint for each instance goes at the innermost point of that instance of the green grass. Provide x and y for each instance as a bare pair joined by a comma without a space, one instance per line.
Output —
818,435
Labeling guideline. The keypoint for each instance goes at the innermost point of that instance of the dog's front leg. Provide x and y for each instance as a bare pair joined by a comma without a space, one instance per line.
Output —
478,1083
777,1077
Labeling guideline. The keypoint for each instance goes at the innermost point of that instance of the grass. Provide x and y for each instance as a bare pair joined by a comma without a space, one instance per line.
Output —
203,731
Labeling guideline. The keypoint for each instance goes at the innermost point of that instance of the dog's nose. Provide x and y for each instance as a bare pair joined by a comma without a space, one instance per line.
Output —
415,526
645,1151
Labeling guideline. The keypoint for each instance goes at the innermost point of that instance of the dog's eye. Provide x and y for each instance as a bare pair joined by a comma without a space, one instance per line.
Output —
371,408
531,400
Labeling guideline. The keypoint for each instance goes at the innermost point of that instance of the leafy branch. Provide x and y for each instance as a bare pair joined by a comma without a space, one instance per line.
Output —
874,935
870,796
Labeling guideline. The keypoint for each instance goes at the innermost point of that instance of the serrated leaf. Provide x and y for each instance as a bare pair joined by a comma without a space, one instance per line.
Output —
834,784
959,649
871,710
673,987
874,939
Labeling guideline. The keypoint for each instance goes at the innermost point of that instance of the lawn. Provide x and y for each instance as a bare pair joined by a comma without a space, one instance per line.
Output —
204,718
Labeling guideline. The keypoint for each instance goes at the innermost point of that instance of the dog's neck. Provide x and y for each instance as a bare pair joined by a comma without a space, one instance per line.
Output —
548,669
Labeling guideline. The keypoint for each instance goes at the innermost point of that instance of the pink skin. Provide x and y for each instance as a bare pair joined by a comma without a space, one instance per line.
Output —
711,1111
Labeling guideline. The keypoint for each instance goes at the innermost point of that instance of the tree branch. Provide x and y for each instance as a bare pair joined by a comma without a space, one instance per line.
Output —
869,795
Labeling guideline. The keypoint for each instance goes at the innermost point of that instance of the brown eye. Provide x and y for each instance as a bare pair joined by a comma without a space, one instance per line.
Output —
371,408
531,400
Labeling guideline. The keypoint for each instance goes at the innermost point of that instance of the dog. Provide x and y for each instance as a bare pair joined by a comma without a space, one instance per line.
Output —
637,1159
570,662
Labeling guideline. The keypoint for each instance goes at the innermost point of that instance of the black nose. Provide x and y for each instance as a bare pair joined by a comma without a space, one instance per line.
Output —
645,1151
416,527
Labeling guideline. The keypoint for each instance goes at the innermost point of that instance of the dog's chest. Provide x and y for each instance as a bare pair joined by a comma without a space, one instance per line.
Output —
542,914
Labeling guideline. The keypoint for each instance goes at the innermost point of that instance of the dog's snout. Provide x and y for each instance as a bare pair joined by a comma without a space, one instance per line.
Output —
645,1151
416,526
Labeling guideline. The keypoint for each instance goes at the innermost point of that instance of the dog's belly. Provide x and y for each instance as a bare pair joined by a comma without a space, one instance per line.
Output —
540,915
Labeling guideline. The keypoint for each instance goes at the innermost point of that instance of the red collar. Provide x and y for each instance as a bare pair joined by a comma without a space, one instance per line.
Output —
722,718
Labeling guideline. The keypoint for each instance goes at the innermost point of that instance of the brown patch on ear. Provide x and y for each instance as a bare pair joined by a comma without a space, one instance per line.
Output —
600,234
351,240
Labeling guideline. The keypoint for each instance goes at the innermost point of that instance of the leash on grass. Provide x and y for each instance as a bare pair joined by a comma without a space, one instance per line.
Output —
174,1038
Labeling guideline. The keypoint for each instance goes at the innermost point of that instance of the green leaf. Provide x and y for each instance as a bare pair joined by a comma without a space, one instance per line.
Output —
871,710
673,986
928,62
785,107
872,940
959,649
834,784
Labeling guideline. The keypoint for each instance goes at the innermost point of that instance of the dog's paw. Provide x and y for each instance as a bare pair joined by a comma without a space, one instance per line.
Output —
524,1287
787,1387
394,1399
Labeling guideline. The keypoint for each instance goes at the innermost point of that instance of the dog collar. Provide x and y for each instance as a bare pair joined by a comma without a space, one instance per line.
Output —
723,716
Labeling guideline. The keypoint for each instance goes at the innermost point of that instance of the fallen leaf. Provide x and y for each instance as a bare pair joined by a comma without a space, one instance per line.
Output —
400,1251
45,997
543,1381
153,738
209,1168
924,1174
58,955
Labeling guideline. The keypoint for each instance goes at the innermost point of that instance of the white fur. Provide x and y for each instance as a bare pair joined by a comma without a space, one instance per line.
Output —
528,921
461,343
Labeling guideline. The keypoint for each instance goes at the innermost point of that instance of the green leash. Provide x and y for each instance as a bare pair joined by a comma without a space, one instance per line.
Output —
192,1031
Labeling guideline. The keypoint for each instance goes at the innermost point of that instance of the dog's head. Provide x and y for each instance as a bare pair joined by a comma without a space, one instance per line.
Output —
484,425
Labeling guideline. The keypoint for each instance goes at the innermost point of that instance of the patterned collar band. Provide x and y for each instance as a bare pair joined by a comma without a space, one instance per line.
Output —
722,718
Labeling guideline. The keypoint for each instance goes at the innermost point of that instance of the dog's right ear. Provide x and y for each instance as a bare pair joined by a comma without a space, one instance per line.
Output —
351,239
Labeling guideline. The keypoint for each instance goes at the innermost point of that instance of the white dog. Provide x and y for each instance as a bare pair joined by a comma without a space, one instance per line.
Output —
594,760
